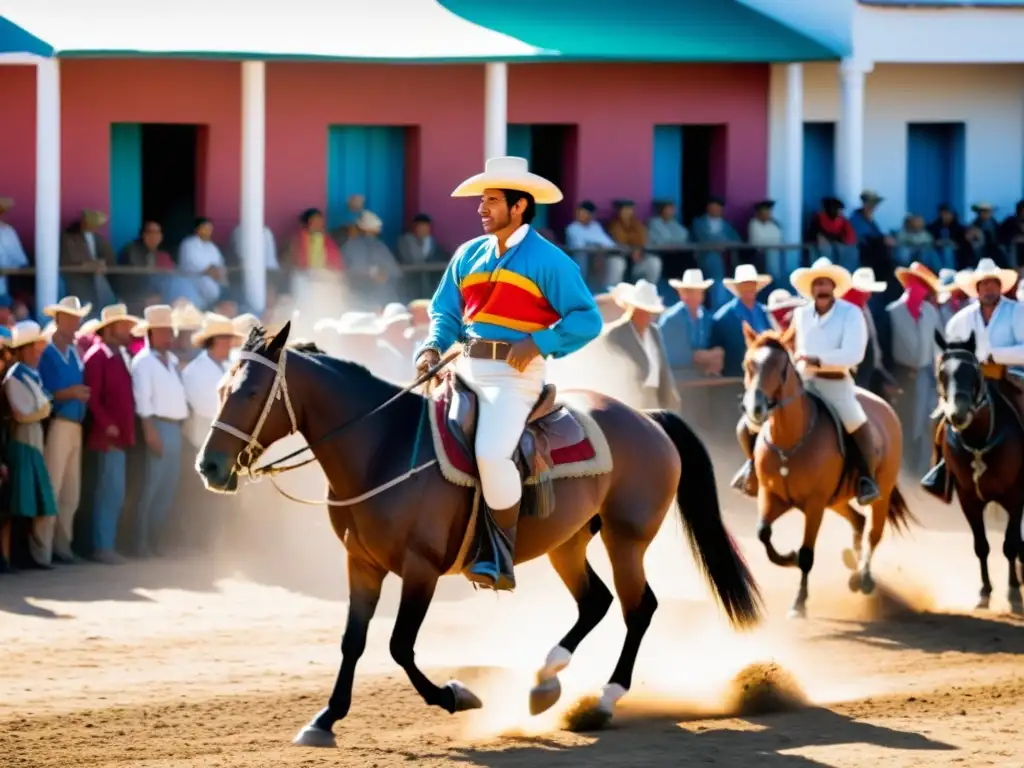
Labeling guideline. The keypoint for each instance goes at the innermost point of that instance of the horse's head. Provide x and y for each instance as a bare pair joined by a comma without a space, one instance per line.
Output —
961,384
248,421
769,378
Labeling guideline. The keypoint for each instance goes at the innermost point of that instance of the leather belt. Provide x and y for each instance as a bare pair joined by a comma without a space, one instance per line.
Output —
830,375
482,349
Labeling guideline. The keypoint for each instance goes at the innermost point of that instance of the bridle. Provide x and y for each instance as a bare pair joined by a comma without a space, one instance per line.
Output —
982,398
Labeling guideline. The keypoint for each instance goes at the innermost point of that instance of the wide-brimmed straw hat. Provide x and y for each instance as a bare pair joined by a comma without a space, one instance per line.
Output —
352,324
863,279
419,304
156,316
395,312
692,279
244,323
215,325
643,296
187,317
510,173
802,278
115,313
69,305
780,299
746,273
922,273
967,281
24,333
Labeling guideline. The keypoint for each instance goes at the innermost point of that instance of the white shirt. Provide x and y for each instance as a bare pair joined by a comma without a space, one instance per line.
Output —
195,256
269,247
201,379
715,225
90,240
589,235
12,255
1002,338
157,388
764,232
650,345
839,338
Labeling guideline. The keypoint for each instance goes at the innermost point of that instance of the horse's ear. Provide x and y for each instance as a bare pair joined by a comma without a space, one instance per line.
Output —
278,342
940,340
788,337
749,334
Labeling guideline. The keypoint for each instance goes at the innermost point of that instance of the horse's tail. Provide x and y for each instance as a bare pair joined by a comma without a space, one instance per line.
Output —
899,514
712,546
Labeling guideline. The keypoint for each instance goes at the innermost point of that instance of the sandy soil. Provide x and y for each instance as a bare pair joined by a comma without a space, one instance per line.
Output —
218,662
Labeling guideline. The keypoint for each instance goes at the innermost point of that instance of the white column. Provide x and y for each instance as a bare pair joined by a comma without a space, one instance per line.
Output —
47,181
254,115
794,153
495,110
850,141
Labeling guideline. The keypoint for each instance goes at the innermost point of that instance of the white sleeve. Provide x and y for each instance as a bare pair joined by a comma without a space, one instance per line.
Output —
190,256
958,329
854,343
1013,355
142,388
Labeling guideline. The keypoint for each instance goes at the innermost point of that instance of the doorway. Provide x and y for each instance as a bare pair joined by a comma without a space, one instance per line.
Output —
169,164
551,152
688,166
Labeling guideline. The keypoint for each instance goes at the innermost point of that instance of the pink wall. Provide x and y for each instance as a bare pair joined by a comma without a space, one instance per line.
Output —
617,106
613,106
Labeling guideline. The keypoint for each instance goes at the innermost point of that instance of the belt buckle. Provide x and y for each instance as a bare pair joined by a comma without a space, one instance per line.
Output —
494,349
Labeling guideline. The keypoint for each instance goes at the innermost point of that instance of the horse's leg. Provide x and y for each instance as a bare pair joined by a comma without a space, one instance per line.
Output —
592,602
805,559
973,509
1011,550
879,517
769,509
419,580
365,579
851,557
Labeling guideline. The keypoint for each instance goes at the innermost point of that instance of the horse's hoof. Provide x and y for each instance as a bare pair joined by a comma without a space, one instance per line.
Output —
983,603
867,583
312,736
465,699
850,560
797,612
544,695
1016,602
855,582
587,714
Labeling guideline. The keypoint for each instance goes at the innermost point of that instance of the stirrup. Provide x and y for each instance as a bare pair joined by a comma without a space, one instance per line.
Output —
745,481
936,482
867,491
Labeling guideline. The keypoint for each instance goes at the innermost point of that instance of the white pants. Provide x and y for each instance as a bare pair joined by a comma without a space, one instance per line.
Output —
841,394
62,454
506,398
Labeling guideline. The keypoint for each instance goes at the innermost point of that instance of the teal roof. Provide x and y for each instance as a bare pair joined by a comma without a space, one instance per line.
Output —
406,30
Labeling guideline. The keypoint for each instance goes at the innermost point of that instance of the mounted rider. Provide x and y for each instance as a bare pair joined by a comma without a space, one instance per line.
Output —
998,327
831,340
512,298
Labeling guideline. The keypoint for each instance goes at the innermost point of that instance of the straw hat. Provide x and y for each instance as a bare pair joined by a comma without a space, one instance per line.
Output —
802,278
863,279
115,313
69,305
395,312
187,317
780,298
26,332
922,273
419,304
692,279
88,328
746,273
967,281
6,203
244,323
215,325
352,324
509,173
369,221
644,296
156,316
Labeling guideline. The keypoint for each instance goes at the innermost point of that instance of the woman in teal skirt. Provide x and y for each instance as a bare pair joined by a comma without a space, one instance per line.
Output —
31,498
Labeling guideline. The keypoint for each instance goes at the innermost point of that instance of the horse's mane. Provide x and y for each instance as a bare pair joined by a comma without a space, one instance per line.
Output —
771,339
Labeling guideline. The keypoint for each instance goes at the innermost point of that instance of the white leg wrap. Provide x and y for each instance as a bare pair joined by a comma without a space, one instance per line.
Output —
610,696
557,660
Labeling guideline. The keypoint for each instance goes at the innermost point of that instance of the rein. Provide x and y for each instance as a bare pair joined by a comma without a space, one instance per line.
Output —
279,391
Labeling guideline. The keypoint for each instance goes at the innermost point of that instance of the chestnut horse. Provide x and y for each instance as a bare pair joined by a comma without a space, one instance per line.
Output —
982,445
414,527
799,462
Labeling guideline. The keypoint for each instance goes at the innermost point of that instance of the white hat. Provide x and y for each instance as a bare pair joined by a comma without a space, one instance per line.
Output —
643,295
780,298
369,221
24,333
353,324
802,278
509,173
986,270
692,278
187,317
215,325
156,316
863,279
112,314
244,323
395,312
746,273
69,305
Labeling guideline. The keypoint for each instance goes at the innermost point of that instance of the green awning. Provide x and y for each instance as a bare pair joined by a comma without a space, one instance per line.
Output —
406,30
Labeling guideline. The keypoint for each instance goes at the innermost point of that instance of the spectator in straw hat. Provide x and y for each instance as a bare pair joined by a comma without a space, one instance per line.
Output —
62,372
32,499
781,304
200,257
162,406
371,268
727,324
12,255
686,330
202,377
84,248
112,424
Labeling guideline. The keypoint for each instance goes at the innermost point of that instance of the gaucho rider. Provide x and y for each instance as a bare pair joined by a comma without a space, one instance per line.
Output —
998,327
512,298
831,339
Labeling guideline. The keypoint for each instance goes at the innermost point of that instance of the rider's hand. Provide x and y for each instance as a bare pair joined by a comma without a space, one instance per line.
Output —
522,353
427,359
813,362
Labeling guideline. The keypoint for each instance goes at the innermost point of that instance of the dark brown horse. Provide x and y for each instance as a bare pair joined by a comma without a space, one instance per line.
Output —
799,462
414,528
982,446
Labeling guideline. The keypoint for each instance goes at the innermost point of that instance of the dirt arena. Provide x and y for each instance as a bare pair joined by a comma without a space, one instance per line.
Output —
218,662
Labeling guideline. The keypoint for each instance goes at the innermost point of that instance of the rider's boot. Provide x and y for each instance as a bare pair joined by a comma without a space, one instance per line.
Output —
494,562
937,481
745,480
867,488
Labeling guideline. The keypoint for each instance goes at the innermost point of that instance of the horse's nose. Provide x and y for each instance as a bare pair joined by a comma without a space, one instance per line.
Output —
213,467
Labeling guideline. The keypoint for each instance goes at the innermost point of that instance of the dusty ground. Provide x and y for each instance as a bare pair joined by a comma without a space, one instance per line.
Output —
218,663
